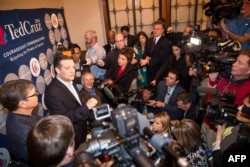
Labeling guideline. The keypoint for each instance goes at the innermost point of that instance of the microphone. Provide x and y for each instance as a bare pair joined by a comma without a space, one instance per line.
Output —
151,117
162,145
109,94
208,90
140,158
143,123
84,62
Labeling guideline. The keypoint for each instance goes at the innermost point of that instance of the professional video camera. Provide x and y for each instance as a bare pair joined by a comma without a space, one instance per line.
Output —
220,109
219,9
209,54
122,139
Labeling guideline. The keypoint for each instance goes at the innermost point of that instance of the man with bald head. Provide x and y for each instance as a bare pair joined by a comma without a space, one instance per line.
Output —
112,56
111,42
94,53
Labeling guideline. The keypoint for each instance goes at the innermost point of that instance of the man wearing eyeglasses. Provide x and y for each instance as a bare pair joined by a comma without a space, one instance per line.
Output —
112,56
19,97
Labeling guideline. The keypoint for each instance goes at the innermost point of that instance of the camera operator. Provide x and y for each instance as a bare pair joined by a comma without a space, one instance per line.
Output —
238,28
141,99
234,89
238,140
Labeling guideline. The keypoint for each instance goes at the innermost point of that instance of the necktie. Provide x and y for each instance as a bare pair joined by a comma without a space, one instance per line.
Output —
153,45
167,97
112,47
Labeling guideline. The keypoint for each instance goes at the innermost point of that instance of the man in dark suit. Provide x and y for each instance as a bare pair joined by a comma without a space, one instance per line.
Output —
184,102
156,51
61,97
111,42
166,93
130,40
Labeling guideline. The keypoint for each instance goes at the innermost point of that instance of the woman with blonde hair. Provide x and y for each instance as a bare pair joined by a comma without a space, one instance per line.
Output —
161,123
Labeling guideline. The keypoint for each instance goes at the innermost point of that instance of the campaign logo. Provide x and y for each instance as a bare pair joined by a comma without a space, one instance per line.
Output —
54,20
35,67
3,36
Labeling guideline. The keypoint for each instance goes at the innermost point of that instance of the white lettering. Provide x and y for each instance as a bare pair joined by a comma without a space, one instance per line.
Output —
25,28
231,158
236,158
243,157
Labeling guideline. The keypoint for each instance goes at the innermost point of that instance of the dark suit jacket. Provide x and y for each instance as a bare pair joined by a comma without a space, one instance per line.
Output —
59,100
171,108
181,66
107,48
131,40
124,81
111,58
158,56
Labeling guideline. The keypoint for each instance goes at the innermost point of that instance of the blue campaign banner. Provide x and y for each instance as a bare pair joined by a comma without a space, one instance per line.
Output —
28,41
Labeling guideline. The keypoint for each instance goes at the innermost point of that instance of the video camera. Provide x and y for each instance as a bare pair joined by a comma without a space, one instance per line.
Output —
209,54
220,109
122,139
219,9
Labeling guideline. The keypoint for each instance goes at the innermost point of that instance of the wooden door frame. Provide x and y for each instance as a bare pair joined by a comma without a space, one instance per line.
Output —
165,12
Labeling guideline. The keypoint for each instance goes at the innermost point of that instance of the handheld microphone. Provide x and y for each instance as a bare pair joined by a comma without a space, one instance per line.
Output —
84,62
162,145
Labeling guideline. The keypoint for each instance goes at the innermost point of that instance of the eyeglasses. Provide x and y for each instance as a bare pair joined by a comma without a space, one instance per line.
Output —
35,94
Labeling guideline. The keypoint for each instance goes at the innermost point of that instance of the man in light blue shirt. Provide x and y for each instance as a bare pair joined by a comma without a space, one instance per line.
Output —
94,53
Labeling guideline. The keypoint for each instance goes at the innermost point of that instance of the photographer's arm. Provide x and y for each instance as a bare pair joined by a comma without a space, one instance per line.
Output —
237,37
217,155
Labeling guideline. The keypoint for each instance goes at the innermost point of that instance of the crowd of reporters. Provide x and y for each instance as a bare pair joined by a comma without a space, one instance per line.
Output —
154,75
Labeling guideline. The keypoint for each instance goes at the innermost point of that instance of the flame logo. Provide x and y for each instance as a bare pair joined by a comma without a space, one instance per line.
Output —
3,40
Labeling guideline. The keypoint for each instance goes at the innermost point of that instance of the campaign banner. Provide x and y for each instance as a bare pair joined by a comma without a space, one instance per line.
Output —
28,41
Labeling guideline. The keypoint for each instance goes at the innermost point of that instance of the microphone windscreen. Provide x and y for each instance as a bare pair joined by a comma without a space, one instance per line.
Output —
84,62
108,93
151,116
143,122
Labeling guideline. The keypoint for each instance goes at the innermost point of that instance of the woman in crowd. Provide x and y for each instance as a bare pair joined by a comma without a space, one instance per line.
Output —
188,136
139,50
19,97
176,60
120,76
161,123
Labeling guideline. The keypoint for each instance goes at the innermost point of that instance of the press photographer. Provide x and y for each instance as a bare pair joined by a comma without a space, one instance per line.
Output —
237,84
233,17
237,142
